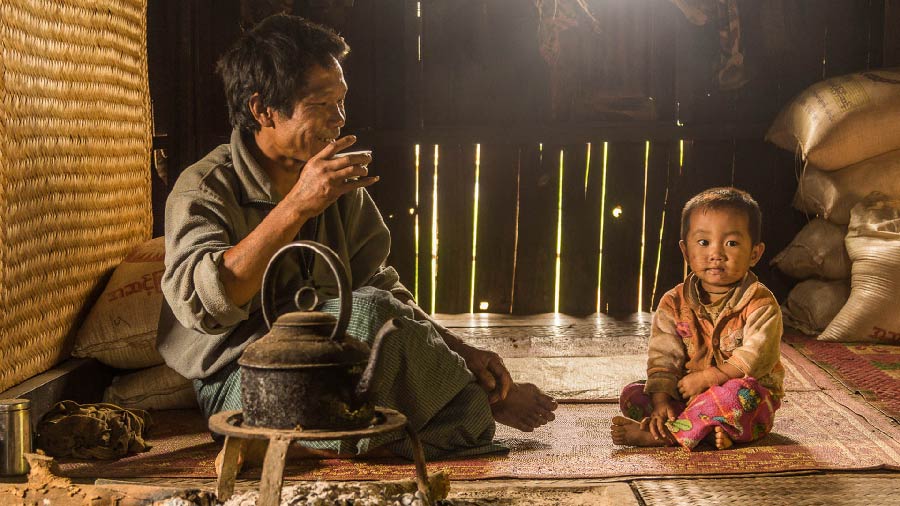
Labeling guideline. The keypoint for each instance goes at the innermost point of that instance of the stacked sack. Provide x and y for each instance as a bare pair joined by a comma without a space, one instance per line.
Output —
847,131
120,331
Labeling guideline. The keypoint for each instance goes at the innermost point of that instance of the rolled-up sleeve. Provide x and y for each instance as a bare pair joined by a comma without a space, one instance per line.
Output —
197,237
761,347
665,353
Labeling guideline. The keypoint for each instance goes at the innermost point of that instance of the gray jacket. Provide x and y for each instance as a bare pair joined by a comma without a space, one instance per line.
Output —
213,206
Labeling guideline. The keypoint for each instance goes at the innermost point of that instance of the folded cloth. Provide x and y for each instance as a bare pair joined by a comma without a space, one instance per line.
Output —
92,431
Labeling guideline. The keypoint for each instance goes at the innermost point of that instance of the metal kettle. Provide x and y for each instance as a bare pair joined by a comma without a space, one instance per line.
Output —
307,373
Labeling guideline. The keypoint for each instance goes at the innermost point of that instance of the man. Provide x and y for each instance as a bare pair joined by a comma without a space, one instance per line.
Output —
277,181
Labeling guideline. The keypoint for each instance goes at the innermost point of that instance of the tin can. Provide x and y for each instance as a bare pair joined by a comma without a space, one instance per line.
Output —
15,436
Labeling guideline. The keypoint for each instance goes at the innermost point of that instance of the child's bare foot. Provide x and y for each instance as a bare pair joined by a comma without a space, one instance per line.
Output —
722,441
525,408
628,432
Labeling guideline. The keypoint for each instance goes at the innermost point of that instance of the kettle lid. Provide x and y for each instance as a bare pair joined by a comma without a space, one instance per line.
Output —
305,319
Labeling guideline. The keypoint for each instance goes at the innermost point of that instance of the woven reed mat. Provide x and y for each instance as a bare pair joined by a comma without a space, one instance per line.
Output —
579,360
576,340
871,369
580,379
574,375
840,489
74,166
814,430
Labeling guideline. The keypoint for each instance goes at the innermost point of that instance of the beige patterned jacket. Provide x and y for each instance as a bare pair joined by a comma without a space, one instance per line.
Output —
746,334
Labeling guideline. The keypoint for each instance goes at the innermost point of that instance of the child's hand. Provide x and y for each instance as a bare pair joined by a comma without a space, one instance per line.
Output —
698,382
662,412
693,384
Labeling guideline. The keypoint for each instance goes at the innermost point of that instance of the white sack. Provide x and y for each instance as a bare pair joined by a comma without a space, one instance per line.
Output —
817,251
872,313
120,329
831,194
842,120
154,388
813,303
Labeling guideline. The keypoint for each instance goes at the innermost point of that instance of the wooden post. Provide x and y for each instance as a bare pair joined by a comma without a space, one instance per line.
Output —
273,472
231,466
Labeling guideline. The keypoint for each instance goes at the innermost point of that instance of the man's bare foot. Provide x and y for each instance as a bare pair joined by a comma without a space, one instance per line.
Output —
251,451
525,408
722,441
628,432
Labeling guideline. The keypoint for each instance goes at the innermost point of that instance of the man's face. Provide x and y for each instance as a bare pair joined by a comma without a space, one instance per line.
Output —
718,247
317,117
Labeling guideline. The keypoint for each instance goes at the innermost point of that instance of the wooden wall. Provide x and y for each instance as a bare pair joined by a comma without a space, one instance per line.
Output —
561,116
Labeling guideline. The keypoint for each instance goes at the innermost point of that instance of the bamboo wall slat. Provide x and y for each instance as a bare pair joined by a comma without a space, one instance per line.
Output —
391,59
395,194
536,252
580,229
425,209
671,263
360,68
659,163
498,198
622,235
455,202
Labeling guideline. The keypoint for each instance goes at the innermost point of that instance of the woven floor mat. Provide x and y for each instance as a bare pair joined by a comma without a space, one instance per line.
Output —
871,369
625,338
842,489
579,379
601,378
813,430
601,320
497,493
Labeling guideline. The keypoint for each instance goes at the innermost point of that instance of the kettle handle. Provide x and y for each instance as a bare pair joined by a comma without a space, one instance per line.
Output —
337,267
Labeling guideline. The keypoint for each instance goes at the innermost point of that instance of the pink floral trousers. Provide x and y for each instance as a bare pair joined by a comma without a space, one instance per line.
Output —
742,407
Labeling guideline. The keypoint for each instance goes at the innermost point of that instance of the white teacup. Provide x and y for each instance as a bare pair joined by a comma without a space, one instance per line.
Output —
348,153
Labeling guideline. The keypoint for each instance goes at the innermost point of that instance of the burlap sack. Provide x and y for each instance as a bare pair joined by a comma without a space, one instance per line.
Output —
817,251
812,304
842,120
872,313
154,388
121,328
831,194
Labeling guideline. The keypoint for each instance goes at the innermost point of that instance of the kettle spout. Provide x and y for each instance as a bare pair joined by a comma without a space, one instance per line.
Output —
369,375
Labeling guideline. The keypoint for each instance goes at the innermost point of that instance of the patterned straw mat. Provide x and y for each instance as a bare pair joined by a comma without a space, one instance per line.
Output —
600,379
813,430
871,369
816,490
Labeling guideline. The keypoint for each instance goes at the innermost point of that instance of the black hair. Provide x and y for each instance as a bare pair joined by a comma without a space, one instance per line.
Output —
274,59
726,197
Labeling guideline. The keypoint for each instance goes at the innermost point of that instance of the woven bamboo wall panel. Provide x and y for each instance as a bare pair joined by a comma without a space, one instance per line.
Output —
75,138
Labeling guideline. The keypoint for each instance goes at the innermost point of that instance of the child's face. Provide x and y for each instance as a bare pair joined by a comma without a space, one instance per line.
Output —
718,247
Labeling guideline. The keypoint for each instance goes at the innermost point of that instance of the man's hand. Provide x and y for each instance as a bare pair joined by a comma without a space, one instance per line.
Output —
324,179
488,368
662,413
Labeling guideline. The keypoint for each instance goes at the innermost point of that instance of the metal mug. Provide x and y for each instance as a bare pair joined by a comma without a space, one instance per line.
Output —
15,436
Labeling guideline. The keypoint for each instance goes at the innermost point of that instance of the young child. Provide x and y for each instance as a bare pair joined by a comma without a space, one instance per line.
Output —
713,368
